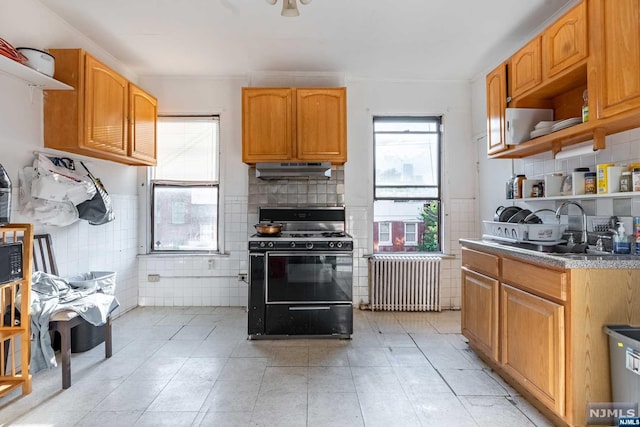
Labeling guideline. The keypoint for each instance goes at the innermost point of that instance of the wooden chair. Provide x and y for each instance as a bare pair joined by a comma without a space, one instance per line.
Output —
62,322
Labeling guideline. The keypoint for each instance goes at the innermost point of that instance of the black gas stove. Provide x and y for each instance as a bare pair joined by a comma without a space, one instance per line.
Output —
300,280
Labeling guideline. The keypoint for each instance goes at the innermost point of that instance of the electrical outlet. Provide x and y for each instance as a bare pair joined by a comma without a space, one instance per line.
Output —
242,277
153,278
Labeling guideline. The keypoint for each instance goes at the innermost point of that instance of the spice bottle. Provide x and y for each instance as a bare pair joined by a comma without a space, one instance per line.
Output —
509,187
590,183
625,182
585,106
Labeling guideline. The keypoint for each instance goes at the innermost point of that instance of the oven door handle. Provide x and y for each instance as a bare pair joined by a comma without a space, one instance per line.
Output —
308,308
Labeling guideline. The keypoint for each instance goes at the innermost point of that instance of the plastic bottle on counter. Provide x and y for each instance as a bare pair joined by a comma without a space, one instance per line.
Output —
509,187
5,197
621,244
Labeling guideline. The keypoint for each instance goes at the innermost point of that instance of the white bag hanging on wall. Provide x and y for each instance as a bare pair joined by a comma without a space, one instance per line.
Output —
44,211
56,179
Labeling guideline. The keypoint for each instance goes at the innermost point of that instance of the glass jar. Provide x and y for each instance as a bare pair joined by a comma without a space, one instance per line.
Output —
626,184
635,176
590,183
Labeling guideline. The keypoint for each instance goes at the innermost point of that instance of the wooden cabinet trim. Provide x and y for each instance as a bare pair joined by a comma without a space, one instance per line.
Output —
482,262
540,280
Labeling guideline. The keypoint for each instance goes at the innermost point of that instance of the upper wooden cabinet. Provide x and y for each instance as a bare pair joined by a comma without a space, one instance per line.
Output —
286,124
564,43
525,69
594,47
615,41
496,104
105,117
143,113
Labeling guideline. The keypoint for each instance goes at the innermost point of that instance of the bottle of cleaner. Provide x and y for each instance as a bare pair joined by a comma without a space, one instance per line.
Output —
621,243
5,197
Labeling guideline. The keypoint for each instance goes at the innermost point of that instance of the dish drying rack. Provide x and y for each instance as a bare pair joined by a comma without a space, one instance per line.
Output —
540,234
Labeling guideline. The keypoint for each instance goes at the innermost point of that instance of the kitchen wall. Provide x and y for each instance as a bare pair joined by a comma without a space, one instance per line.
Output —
79,247
212,279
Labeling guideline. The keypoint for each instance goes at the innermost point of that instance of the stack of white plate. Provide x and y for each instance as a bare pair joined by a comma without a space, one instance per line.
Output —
546,127
542,128
562,124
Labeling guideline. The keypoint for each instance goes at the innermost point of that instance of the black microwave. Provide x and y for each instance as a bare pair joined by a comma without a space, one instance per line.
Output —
10,262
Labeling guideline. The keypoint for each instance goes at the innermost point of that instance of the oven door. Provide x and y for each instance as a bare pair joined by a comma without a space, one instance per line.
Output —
309,277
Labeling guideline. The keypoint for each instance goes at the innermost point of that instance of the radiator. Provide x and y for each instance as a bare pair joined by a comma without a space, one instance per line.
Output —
404,283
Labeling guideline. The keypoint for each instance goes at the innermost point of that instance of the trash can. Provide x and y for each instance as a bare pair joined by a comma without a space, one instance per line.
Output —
624,355
86,336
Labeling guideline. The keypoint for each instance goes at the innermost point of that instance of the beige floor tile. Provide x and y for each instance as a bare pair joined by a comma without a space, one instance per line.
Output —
331,380
132,395
201,368
334,410
290,356
226,419
439,409
232,396
166,419
182,395
376,379
193,332
280,379
253,349
368,357
282,410
472,382
494,411
112,418
387,409
328,356
424,379
158,367
248,369
406,356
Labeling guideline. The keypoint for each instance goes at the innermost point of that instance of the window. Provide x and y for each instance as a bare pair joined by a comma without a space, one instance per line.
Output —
184,185
411,234
384,233
407,182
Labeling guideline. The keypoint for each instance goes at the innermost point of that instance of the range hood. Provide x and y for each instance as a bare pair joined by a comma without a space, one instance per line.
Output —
293,170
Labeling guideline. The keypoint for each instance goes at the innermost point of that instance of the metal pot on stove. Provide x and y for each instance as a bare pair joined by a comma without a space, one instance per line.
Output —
268,228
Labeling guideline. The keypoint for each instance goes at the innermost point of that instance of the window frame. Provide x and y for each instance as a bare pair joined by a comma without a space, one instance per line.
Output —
438,120
389,232
152,183
415,232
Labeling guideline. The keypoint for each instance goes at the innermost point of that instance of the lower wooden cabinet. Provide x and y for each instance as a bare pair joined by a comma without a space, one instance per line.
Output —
533,344
480,311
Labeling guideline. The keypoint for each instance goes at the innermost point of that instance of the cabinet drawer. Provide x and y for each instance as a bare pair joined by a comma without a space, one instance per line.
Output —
539,280
488,264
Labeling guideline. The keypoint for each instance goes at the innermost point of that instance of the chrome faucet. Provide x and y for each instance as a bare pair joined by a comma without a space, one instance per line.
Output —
584,239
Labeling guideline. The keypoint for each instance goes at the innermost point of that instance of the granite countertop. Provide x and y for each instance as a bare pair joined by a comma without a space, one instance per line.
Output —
624,262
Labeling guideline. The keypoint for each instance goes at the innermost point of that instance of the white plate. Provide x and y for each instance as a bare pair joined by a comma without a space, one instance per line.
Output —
545,124
566,123
539,132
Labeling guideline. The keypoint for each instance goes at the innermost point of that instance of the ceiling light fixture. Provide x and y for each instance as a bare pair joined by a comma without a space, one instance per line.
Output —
289,7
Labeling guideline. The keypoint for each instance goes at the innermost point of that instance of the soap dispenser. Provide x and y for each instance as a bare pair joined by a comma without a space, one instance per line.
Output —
621,243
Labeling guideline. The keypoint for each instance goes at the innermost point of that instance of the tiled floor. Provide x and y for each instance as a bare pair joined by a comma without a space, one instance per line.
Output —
194,366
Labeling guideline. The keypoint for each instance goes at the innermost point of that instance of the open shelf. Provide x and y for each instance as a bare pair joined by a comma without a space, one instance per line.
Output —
30,76
595,130
627,194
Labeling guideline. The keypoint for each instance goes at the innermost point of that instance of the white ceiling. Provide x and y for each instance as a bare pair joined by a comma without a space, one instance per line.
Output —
398,39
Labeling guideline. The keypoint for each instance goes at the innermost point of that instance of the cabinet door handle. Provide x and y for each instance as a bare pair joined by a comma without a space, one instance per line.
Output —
307,308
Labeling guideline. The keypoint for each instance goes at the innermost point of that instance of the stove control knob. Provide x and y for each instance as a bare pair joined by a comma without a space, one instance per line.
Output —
309,245
292,244
270,244
262,244
339,244
331,244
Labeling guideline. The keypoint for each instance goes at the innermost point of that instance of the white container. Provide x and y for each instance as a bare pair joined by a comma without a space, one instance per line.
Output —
613,178
578,183
553,185
521,121
39,60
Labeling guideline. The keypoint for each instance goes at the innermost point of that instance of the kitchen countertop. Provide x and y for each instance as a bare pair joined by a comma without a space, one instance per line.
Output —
622,262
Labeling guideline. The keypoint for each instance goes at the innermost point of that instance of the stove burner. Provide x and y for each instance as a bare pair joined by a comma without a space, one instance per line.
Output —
334,234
